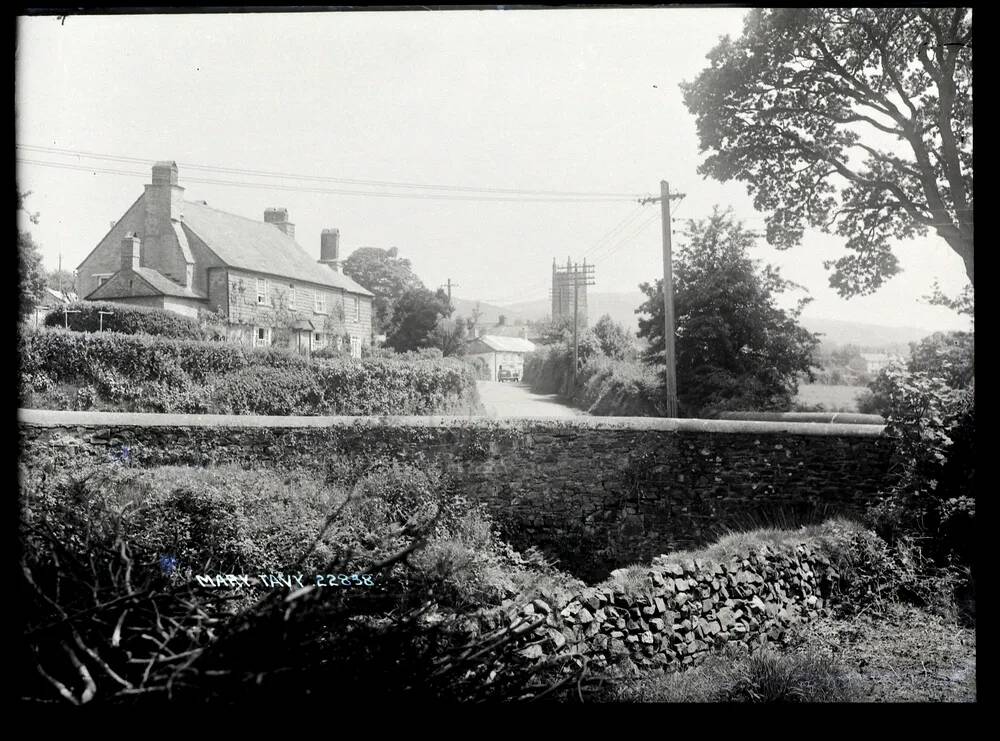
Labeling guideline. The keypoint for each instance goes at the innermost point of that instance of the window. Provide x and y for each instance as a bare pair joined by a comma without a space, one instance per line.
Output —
355,346
319,302
262,291
357,309
261,336
318,340
291,296
102,278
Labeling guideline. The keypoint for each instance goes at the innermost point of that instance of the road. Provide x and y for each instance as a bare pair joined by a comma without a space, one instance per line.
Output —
517,400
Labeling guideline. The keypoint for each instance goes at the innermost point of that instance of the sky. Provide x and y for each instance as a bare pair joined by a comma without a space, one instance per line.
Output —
482,101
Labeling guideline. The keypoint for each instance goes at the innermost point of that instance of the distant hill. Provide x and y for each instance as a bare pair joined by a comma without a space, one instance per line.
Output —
839,332
622,306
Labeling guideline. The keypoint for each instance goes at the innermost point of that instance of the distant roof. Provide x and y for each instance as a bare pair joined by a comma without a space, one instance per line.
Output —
115,286
54,295
507,344
261,247
508,330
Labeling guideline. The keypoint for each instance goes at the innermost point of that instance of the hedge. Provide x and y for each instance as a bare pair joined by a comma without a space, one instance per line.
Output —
145,373
125,319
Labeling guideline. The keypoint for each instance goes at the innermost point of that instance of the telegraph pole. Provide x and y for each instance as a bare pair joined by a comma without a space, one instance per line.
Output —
449,285
581,277
669,323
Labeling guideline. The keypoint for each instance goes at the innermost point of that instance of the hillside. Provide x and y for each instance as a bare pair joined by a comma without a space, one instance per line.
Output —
621,307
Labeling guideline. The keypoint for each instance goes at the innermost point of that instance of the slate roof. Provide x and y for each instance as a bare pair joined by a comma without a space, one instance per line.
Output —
261,247
507,344
166,286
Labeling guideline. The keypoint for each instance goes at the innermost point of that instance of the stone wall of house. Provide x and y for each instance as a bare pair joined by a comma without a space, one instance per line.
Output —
596,493
340,318
106,257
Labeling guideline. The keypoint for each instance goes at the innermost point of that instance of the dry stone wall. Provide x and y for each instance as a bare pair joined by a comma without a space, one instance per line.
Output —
683,612
595,493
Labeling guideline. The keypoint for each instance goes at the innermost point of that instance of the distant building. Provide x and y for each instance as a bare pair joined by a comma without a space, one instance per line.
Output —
51,299
183,256
503,329
877,361
500,352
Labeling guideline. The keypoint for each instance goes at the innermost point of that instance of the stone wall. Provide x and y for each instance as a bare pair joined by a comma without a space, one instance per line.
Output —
596,493
682,611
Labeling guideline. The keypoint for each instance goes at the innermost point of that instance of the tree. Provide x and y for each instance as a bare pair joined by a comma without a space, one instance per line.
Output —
61,280
31,274
735,348
448,335
415,314
615,341
857,121
386,275
946,355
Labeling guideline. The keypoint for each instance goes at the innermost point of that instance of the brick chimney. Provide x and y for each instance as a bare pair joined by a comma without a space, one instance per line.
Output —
279,217
164,201
329,248
130,251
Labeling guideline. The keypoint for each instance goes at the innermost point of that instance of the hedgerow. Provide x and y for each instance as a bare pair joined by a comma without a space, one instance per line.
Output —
146,373
123,318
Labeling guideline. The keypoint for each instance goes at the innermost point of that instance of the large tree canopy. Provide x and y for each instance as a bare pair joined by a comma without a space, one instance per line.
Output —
414,317
31,274
736,348
386,275
857,121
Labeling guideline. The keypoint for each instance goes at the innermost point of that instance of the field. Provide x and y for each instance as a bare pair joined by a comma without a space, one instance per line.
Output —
833,398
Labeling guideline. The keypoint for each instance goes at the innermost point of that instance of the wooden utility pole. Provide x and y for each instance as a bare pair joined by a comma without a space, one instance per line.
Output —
582,276
449,285
669,324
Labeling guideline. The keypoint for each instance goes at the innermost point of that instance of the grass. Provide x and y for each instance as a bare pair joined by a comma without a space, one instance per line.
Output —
831,398
903,654
740,675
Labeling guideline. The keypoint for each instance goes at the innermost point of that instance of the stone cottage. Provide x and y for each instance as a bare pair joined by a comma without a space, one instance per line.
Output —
500,352
184,256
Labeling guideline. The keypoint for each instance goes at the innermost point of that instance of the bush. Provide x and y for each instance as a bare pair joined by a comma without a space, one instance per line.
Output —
125,319
480,367
738,675
144,373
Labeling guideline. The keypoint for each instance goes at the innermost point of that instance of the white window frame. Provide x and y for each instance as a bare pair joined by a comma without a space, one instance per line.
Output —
355,346
259,341
262,296
102,278
318,340
319,302
291,297
357,308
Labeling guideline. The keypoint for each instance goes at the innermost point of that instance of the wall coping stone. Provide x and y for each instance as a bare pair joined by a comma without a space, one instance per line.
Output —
62,418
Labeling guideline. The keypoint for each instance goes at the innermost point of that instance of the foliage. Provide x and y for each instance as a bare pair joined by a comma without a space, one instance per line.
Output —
146,373
736,349
107,567
448,335
386,275
415,315
616,342
125,319
31,274
932,496
480,367
61,280
947,355
745,676
963,303
803,107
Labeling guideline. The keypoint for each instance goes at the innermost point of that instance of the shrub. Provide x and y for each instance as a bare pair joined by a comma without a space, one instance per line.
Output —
145,373
738,675
480,367
125,319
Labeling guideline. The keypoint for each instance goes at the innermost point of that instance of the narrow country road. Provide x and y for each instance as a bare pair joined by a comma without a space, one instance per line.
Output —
517,400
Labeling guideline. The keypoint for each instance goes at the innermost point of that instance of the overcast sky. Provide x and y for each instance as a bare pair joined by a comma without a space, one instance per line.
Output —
541,100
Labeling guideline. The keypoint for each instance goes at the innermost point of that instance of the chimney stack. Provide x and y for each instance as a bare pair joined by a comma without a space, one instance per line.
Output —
130,252
329,248
279,217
